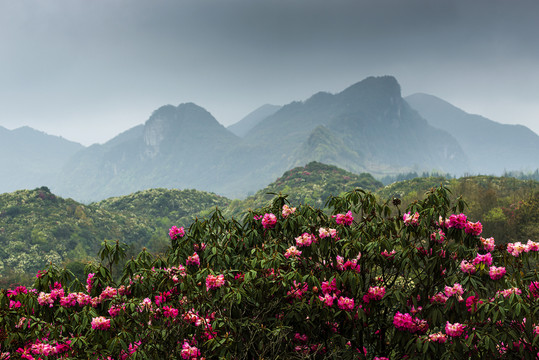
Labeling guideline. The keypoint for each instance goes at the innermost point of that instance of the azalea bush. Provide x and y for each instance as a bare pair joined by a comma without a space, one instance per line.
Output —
369,281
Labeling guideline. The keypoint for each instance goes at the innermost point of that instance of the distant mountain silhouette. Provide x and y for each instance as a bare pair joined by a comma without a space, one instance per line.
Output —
491,147
367,127
243,126
31,158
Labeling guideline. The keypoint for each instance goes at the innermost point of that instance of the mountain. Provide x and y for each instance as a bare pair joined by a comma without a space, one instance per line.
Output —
372,126
243,126
178,147
492,148
31,158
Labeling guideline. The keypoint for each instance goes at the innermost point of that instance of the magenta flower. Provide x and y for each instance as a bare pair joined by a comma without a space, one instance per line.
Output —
534,289
327,299
100,323
454,330
488,244
473,228
176,232
170,312
374,293
467,267
457,221
269,221
193,260
305,240
189,352
438,337
297,290
496,272
485,259
287,211
405,322
213,282
344,219
438,236
345,303
410,219
292,252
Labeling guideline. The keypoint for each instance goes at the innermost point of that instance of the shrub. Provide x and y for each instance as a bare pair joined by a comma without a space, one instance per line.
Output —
367,282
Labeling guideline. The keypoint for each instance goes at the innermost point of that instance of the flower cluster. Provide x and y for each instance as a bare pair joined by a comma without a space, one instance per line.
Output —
213,282
324,233
297,290
287,211
485,259
454,330
344,219
374,293
305,239
488,244
457,221
410,219
438,337
438,236
496,273
517,248
473,228
100,323
175,232
269,221
467,267
193,260
292,252
406,322
189,351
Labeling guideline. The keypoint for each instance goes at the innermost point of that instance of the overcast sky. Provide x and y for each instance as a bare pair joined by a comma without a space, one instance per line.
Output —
90,69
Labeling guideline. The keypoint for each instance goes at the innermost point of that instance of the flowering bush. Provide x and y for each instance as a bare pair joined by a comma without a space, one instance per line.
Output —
370,282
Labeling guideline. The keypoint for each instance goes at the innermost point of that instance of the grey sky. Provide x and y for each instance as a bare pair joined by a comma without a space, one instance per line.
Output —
88,70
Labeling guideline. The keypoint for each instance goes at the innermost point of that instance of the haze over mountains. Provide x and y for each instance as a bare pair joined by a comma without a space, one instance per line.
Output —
367,127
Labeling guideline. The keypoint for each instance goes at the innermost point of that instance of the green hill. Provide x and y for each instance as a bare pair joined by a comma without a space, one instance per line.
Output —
309,185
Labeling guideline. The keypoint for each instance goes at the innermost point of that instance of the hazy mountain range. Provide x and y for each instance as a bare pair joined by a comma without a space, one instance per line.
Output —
367,127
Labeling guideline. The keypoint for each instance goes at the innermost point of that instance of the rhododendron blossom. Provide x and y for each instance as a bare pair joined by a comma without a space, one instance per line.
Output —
406,322
297,290
507,292
438,337
287,210
473,228
467,267
456,289
485,259
305,240
213,282
454,330
344,219
345,303
375,293
457,221
496,273
269,221
438,236
534,289
292,252
175,232
327,299
100,323
410,219
189,352
193,260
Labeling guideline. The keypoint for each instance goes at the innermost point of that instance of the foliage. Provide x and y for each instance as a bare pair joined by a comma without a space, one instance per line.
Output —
311,184
493,200
295,284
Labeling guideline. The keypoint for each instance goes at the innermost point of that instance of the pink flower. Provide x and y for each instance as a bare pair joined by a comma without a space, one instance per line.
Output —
287,210
328,287
189,352
100,323
176,232
344,219
496,272
374,293
488,244
305,240
297,290
193,260
438,337
14,304
467,267
170,312
89,282
292,252
457,221
406,322
269,221
327,299
323,233
455,290
388,255
534,289
473,228
438,236
486,259
507,292
438,298
345,303
213,282
454,330
471,303
410,219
